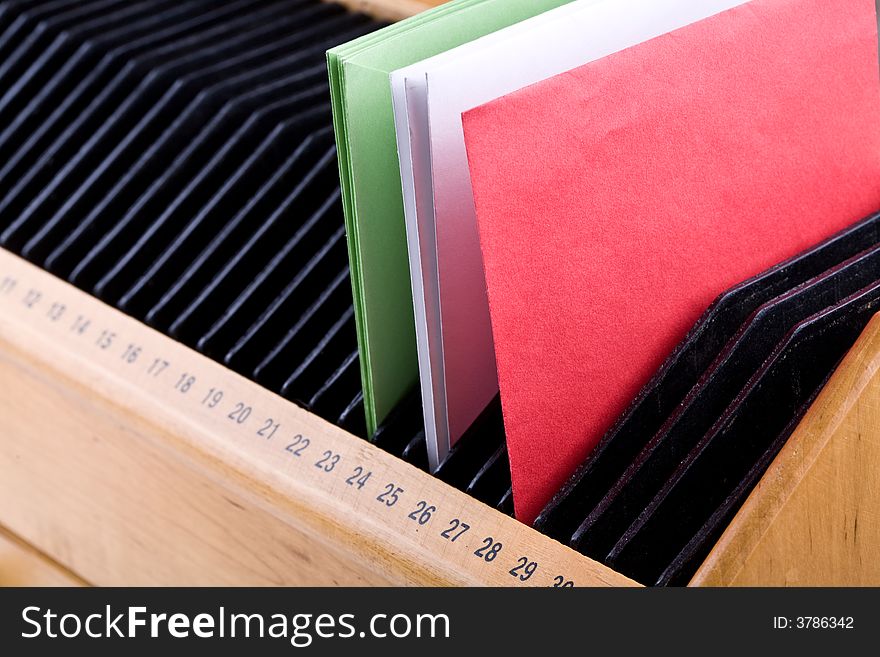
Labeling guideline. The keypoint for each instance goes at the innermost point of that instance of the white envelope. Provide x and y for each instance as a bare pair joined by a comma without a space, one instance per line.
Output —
454,337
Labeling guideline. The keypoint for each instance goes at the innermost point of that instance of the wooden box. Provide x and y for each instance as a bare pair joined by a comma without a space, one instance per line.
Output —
117,469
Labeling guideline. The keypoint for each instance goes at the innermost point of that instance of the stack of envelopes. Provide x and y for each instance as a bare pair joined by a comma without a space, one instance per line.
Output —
544,200
371,190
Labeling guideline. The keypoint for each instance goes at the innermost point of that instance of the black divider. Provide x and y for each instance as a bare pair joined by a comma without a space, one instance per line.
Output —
42,39
478,445
212,238
668,388
54,92
353,417
101,93
18,18
676,529
492,482
313,255
294,345
719,387
334,396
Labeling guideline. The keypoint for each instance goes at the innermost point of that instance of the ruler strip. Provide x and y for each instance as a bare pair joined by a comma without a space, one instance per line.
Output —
343,488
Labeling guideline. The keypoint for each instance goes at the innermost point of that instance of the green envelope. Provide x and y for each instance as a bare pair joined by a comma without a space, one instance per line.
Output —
370,178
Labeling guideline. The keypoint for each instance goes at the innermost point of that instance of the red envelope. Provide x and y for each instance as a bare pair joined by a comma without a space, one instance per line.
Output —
617,200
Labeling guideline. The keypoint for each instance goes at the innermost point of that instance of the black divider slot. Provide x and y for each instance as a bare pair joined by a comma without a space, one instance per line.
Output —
300,294
416,452
243,260
112,77
661,546
19,19
314,322
331,398
506,503
97,108
103,223
154,141
87,57
468,456
193,91
166,287
401,425
293,277
492,481
666,391
735,365
323,361
353,418
21,67
281,108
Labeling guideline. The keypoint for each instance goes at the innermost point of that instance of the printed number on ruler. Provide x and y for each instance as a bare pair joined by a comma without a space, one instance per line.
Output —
208,397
